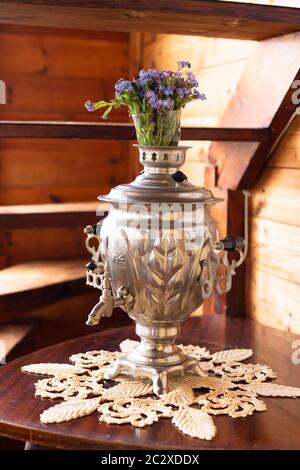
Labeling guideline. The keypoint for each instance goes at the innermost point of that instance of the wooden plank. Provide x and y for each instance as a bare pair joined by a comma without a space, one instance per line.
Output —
25,245
25,30
50,194
258,101
285,157
119,131
53,54
273,301
205,18
41,97
51,215
33,162
276,196
275,249
163,50
29,285
287,154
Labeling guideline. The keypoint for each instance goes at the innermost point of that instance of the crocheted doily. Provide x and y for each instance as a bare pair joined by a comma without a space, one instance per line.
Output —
230,387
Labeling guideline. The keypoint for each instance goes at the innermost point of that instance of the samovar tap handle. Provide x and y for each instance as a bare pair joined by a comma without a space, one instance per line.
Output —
104,308
107,302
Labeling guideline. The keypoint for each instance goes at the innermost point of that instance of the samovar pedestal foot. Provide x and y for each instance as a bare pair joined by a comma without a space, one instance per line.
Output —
159,375
156,356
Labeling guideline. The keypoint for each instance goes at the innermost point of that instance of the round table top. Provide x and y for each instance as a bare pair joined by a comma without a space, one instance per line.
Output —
276,428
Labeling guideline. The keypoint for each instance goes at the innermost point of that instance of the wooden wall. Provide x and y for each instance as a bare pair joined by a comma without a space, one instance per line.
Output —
49,75
273,278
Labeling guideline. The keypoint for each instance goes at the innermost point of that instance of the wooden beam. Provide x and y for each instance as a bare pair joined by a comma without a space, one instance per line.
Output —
262,99
120,131
73,214
235,20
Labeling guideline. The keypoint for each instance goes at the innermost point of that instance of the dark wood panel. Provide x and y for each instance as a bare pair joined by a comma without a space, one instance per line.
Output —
205,18
20,410
119,131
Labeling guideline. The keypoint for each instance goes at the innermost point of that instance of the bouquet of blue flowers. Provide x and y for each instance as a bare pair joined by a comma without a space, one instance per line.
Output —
155,100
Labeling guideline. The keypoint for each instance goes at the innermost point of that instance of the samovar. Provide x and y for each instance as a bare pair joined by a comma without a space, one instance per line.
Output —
158,256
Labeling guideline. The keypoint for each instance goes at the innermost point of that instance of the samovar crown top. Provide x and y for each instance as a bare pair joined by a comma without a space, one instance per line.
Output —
161,180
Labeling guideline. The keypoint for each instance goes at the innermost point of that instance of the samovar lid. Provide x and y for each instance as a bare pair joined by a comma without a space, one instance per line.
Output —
161,180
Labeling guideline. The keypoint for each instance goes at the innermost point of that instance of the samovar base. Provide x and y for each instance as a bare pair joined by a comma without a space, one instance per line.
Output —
156,357
158,375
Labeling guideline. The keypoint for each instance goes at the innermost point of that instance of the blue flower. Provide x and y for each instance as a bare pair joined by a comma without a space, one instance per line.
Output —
183,64
192,79
90,106
199,96
182,92
168,90
123,86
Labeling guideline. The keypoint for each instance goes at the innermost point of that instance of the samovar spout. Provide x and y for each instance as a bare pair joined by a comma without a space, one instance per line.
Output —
101,309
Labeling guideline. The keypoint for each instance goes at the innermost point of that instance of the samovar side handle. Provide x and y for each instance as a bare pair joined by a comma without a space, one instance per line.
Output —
230,244
99,278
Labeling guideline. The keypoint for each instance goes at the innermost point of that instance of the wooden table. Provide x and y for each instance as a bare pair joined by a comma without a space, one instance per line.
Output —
276,428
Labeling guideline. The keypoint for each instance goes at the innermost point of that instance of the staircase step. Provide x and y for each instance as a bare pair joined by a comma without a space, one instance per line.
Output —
30,285
71,214
11,335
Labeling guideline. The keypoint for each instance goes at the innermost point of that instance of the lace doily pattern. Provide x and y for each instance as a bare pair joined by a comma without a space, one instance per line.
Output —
231,387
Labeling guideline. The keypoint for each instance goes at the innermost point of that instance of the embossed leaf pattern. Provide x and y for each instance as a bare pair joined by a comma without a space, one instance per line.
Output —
194,423
165,264
68,411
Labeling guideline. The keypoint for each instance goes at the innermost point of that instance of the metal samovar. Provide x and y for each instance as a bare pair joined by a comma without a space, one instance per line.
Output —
158,256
